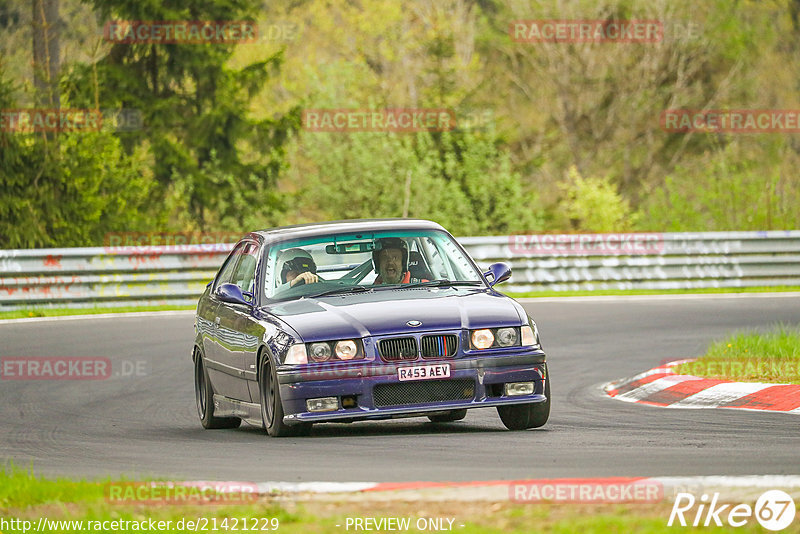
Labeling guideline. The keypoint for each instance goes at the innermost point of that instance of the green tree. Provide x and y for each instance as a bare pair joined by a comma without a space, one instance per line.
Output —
742,189
460,180
594,205
196,110
71,192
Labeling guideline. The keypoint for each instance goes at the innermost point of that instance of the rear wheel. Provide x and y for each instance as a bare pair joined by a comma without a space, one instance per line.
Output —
522,416
204,395
271,406
449,417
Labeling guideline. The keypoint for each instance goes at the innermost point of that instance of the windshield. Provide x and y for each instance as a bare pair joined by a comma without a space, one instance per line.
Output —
341,263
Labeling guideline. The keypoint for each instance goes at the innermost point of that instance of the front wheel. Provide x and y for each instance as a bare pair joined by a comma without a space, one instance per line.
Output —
522,416
271,406
204,395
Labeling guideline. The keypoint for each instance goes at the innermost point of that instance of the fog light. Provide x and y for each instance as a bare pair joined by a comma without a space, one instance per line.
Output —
519,388
324,404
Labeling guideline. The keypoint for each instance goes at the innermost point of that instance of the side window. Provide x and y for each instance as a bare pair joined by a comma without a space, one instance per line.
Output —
437,261
226,273
418,264
245,273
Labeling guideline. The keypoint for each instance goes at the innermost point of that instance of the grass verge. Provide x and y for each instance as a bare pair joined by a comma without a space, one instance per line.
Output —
25,497
57,312
752,356
607,292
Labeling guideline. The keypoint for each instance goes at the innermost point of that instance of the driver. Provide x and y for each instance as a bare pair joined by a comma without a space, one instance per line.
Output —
297,267
391,262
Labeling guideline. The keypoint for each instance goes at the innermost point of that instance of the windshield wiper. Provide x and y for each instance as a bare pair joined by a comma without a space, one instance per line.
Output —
339,291
443,283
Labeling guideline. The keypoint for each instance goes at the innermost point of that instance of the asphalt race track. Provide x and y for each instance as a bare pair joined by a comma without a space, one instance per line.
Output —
147,425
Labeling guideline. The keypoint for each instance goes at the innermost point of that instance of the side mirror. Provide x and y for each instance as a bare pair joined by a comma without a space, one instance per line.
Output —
499,272
231,293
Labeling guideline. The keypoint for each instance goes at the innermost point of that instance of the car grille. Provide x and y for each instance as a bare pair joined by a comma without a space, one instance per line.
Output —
421,392
398,348
439,346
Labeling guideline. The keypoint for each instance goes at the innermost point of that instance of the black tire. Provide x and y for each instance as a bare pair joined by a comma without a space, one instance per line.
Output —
204,396
271,406
523,416
449,417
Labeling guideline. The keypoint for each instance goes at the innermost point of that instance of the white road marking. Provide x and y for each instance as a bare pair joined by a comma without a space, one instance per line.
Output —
655,386
314,487
657,370
498,490
720,394
687,296
165,313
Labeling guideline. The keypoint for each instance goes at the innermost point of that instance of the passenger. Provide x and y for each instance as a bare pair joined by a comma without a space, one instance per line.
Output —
391,262
297,267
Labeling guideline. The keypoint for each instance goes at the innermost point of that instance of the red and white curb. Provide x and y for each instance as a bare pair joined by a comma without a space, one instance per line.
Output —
593,490
662,387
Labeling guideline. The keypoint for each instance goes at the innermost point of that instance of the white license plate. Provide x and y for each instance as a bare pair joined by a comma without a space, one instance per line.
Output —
424,372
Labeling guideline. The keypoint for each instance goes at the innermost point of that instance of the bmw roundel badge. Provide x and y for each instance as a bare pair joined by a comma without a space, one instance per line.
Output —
414,323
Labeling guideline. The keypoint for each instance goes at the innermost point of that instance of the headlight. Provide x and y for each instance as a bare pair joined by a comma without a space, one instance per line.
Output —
296,354
507,337
346,349
320,352
325,351
529,337
482,339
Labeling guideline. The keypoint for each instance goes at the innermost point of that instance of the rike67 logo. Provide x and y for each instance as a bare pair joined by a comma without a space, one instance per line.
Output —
774,510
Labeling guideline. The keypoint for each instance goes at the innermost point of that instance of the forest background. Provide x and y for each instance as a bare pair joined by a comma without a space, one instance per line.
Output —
551,137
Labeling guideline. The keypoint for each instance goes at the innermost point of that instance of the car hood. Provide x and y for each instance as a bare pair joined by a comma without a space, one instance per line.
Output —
387,312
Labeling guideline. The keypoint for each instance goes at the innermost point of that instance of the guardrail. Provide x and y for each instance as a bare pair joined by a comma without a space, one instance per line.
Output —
127,276
644,261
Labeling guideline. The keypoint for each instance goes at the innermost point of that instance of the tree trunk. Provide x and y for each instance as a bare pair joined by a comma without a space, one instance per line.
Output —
45,53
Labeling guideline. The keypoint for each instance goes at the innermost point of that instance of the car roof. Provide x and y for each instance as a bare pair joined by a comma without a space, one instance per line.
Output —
345,226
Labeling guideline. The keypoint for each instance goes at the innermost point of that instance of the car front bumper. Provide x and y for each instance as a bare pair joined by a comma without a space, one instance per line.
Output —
484,377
